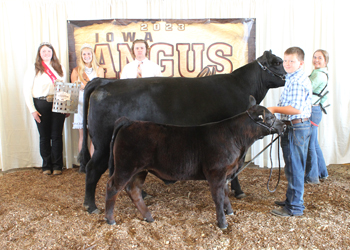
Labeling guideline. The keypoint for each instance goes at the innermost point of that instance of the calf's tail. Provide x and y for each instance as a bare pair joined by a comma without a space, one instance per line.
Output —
119,123
84,154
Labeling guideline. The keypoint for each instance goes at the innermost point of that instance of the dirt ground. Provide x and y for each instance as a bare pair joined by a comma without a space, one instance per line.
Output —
46,212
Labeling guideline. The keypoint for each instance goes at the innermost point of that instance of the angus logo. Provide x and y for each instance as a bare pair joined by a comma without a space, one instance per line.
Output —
207,71
182,48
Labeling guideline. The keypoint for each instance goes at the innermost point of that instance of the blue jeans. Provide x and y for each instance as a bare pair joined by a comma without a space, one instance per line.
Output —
294,145
315,165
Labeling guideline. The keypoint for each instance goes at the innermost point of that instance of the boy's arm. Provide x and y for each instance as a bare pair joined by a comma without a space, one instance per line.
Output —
287,110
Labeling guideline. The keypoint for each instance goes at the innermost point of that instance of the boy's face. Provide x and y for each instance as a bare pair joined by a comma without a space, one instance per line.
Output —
291,63
140,51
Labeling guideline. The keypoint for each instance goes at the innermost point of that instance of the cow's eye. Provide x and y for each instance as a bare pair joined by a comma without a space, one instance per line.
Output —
261,117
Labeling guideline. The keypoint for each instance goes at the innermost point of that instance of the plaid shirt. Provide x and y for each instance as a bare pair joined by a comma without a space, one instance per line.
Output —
297,93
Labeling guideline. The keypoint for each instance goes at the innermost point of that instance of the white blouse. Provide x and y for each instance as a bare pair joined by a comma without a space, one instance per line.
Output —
39,85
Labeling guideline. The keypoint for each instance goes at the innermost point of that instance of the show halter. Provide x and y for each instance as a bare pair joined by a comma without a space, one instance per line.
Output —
270,71
272,141
261,123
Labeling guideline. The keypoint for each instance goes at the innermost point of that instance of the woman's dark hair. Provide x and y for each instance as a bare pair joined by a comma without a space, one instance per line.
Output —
55,63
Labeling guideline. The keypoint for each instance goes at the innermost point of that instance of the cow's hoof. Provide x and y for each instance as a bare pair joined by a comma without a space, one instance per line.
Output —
96,211
241,196
82,169
229,213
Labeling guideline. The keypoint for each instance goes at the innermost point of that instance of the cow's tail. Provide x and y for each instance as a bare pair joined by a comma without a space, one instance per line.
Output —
84,155
119,123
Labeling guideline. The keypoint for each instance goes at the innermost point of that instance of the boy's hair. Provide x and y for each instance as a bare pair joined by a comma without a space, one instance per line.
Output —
297,51
139,41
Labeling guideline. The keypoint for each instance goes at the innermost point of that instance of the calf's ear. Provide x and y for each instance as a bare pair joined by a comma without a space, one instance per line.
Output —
252,101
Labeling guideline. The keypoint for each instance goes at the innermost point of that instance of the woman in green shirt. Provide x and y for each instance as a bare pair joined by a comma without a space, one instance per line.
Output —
316,168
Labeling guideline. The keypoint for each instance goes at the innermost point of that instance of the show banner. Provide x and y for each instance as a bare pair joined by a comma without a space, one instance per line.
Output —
182,48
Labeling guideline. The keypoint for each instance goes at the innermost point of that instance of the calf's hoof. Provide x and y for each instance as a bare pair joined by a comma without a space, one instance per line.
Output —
111,222
145,196
148,219
166,182
229,212
223,226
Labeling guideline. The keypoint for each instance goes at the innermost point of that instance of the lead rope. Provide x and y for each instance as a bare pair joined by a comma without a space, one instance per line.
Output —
246,165
279,166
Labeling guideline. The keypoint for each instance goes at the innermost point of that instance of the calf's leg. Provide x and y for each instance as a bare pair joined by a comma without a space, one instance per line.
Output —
217,189
111,171
115,184
111,196
134,191
227,203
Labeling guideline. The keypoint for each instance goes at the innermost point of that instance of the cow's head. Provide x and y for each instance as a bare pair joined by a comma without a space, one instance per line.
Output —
273,71
267,121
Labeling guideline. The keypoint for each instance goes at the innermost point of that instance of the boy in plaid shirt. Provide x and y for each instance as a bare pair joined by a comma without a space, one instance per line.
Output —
294,108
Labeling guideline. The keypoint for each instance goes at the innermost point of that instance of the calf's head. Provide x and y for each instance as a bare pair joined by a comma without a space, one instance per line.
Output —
265,119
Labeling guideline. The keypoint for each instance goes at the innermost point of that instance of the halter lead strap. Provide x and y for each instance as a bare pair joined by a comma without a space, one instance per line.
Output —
261,124
270,71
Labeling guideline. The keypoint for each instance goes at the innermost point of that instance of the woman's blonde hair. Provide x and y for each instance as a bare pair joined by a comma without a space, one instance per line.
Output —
325,55
81,63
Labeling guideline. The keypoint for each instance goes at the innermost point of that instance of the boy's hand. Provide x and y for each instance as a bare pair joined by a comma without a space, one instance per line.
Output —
271,109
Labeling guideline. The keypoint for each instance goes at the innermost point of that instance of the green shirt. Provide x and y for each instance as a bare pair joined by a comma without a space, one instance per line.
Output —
319,79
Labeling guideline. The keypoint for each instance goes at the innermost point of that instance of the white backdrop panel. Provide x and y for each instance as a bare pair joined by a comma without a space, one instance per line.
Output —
280,24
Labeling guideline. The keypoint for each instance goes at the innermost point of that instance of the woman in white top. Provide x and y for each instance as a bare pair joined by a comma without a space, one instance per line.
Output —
86,70
38,92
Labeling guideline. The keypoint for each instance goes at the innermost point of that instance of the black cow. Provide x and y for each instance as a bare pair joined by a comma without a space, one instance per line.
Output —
178,101
212,152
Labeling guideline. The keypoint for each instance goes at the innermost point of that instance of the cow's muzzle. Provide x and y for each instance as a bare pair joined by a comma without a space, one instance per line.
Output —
278,127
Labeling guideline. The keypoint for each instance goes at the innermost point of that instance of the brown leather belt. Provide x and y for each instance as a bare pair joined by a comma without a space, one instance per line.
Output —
295,121
48,98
